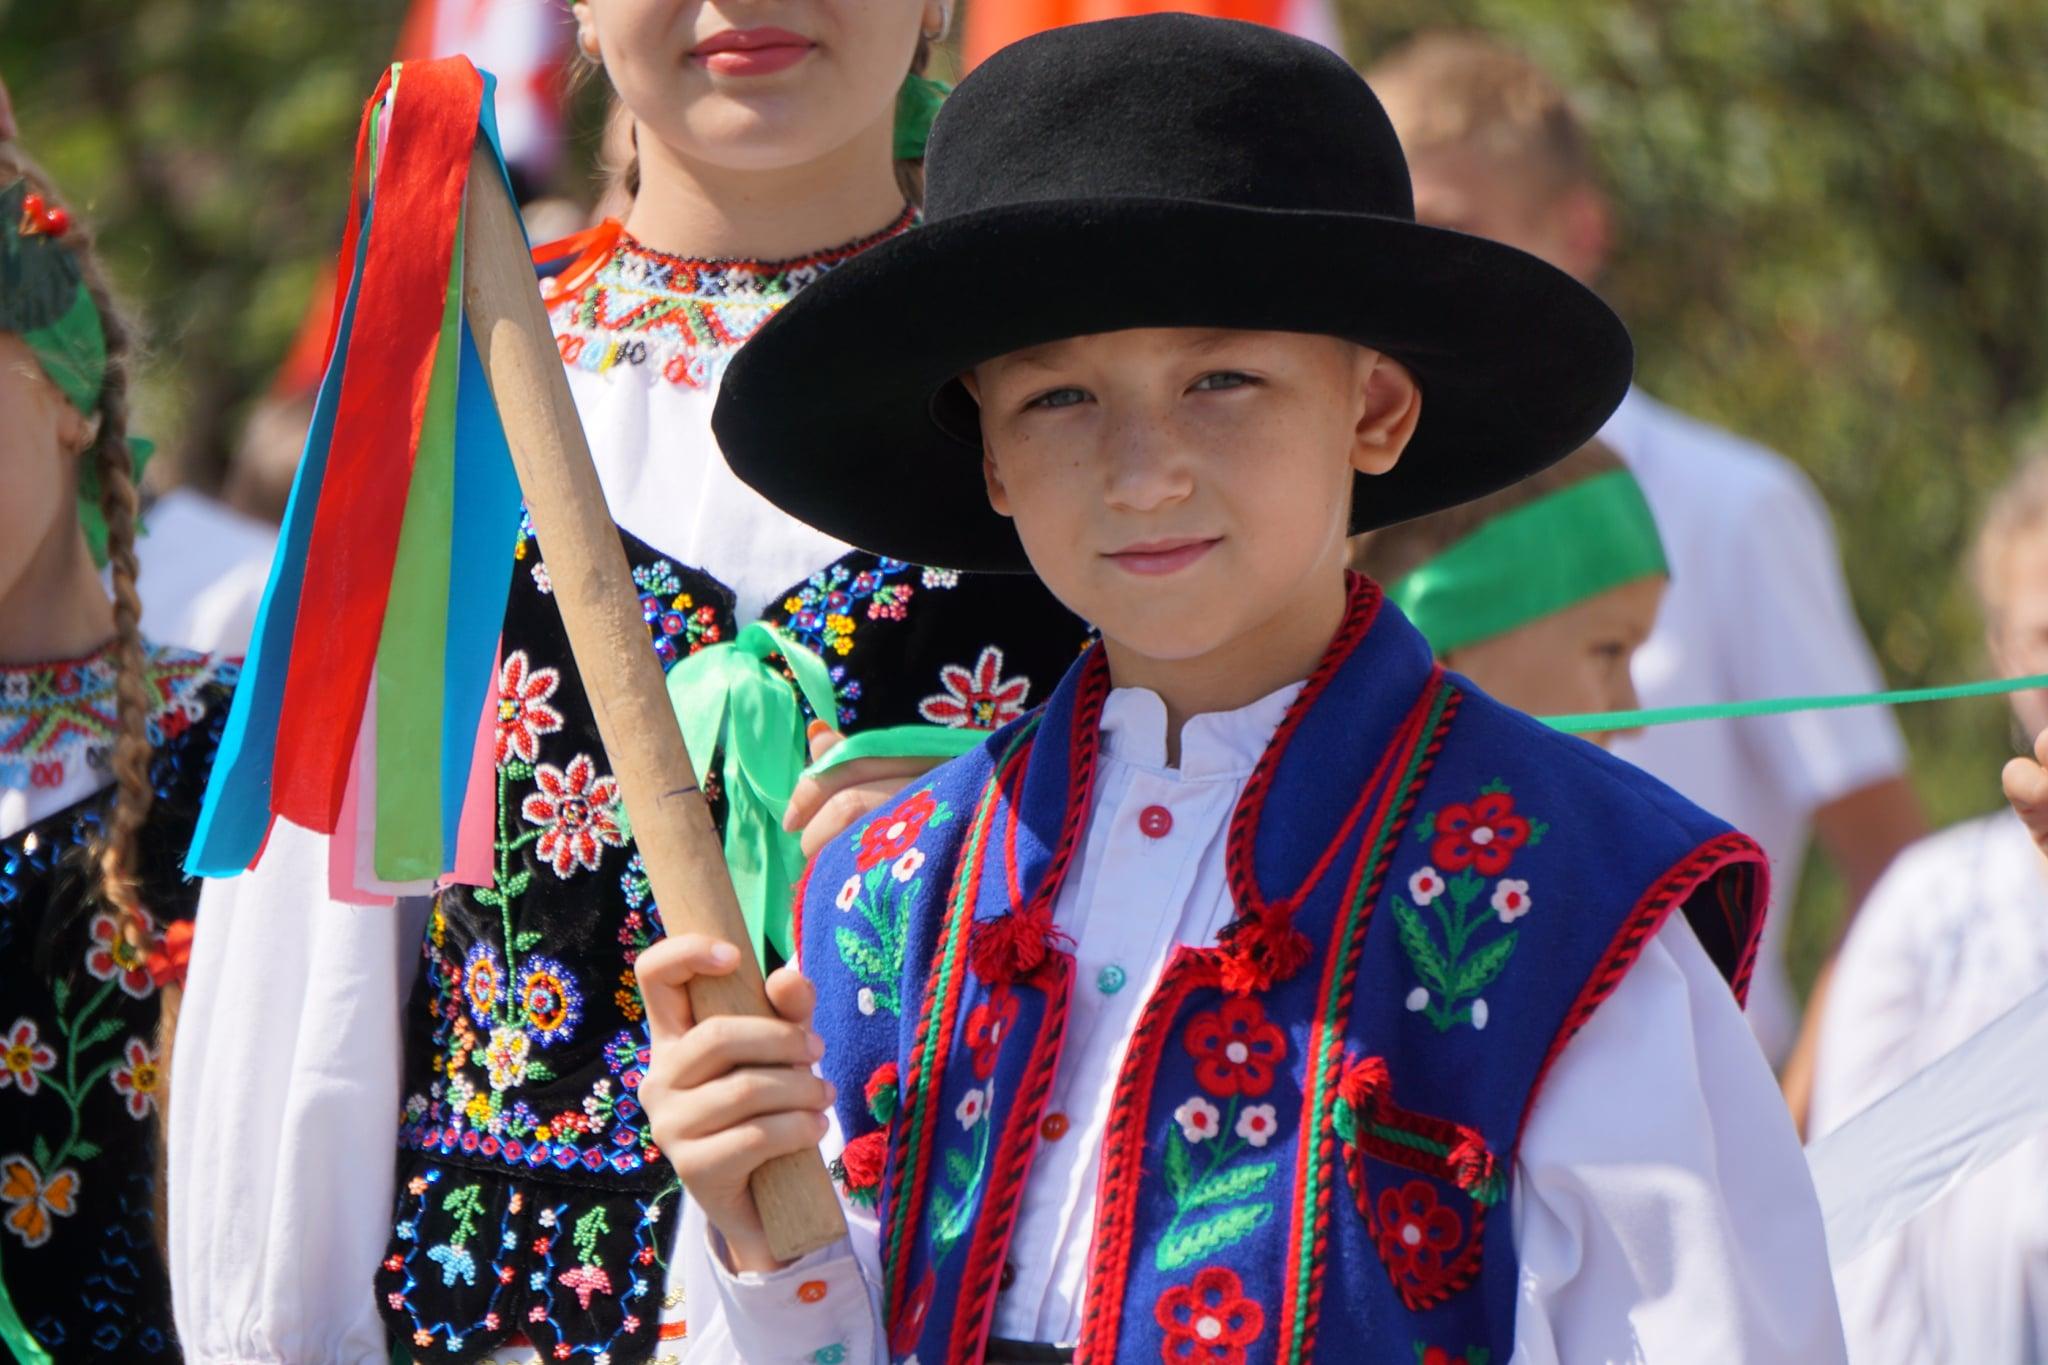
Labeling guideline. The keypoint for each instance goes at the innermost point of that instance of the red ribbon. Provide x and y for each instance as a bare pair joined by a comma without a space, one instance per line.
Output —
417,209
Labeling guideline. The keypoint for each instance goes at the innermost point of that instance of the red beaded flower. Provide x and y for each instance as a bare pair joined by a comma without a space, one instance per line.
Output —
1482,835
1416,1231
1235,1048
523,713
891,836
1209,1322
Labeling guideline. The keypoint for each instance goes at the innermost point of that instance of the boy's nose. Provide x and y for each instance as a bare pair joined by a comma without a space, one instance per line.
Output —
1147,468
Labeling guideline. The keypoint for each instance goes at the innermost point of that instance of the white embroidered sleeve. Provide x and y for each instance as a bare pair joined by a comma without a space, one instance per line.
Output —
1663,1209
284,1108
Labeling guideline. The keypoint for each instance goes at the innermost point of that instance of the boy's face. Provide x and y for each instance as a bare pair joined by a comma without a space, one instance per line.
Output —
1468,189
1180,488
1571,662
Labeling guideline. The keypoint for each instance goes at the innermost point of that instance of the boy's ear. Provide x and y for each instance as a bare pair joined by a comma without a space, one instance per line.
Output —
998,496
1390,406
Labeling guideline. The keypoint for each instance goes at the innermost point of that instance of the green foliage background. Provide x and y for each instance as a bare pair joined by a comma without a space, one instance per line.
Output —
1835,220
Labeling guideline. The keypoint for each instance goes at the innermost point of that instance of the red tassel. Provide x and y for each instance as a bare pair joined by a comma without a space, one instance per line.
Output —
863,1160
1365,1084
1471,1164
1012,947
1263,951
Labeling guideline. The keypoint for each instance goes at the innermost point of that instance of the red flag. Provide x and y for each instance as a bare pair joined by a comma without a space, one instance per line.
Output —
997,23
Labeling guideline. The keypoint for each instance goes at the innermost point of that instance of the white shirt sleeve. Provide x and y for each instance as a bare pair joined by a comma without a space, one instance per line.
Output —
1798,636
284,1111
797,1314
1663,1210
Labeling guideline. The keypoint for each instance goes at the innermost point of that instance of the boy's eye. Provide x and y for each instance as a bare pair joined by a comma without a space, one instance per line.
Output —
1058,398
1222,379
1611,651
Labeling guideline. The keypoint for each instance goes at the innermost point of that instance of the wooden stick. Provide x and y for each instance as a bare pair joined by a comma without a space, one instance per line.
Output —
608,637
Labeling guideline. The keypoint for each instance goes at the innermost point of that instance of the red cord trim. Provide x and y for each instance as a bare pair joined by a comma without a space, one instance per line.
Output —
1123,1153
1666,894
1340,970
982,1276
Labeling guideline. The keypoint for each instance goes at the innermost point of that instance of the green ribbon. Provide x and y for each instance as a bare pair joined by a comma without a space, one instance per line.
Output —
917,104
937,742
734,704
1534,561
14,1333
1595,722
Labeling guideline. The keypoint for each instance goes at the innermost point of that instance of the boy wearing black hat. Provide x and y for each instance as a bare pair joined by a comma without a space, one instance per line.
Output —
1203,1014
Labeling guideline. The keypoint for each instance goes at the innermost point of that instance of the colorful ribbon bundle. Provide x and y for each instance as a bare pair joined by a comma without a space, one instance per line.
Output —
362,706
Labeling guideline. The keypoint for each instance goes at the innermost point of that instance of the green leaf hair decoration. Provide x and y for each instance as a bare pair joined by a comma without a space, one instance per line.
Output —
917,104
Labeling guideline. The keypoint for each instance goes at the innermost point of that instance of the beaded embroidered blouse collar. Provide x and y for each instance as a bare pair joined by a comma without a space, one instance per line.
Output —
54,716
620,301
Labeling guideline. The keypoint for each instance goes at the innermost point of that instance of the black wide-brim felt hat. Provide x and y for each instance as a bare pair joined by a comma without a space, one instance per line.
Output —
1164,171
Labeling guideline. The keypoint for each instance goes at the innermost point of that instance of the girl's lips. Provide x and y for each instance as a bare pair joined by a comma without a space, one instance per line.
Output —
751,51
1160,557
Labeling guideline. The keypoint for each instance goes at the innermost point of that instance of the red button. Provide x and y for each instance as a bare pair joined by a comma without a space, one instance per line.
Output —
1156,821
1054,1128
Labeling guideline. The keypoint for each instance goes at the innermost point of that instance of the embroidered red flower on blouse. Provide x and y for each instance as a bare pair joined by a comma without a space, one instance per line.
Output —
1415,1231
987,1024
981,700
523,713
1482,835
1209,1322
891,836
1235,1048
24,1057
579,811
140,1081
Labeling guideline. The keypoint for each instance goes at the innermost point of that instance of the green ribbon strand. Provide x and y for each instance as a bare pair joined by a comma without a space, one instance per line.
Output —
1595,722
937,742
735,705
917,104
1538,559
14,1333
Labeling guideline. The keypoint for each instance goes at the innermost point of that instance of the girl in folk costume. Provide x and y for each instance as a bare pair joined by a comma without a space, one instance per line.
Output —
1270,993
105,743
497,1037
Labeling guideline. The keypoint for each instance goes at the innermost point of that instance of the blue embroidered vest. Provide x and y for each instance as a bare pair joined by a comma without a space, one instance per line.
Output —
1313,1130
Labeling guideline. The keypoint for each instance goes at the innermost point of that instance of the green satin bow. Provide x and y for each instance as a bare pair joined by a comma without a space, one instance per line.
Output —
734,704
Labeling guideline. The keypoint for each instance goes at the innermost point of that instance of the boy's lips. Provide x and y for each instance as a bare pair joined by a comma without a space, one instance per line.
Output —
751,51
1157,557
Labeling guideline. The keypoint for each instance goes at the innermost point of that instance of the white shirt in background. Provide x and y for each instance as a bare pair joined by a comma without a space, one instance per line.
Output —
1662,1207
201,571
1953,935
1757,608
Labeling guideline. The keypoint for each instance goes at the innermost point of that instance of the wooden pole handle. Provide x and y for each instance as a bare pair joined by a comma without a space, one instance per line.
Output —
592,584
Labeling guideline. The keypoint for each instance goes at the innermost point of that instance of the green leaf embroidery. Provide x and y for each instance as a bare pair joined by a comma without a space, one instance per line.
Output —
83,1150
942,1205
40,1151
959,1169
487,896
1465,888
1234,1183
1425,828
1497,787
1178,1169
539,1072
1421,949
860,957
588,1228
1210,1236
531,938
1537,829
100,1032
1478,971
516,884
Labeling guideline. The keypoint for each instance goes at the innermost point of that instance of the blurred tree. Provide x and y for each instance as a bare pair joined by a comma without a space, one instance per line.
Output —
1834,238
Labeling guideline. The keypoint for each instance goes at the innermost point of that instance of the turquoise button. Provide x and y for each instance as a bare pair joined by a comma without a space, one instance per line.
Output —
1110,979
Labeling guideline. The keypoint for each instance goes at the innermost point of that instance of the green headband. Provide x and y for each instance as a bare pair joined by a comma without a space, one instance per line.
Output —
1534,561
44,301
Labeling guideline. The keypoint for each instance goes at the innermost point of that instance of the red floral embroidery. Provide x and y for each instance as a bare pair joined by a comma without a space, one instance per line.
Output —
987,1025
862,1160
1416,1231
1437,1355
1209,1322
981,700
523,713
140,1081
24,1057
1235,1048
579,810
1483,835
891,836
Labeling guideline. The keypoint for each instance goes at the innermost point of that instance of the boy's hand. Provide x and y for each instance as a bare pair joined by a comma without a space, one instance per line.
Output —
726,1094
827,805
2026,787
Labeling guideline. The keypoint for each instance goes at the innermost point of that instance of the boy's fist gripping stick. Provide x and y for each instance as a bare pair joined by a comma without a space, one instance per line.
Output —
798,1211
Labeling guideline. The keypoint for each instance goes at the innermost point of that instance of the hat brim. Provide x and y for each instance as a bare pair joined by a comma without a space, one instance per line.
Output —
845,409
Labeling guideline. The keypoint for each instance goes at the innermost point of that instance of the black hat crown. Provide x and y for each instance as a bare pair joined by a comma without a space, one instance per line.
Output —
1171,106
